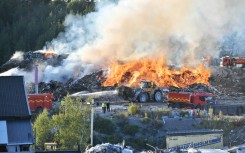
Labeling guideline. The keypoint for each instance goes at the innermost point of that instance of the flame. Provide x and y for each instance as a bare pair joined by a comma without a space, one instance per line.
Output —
155,70
49,54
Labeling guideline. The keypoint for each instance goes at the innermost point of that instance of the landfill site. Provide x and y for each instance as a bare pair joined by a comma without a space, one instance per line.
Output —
169,80
173,122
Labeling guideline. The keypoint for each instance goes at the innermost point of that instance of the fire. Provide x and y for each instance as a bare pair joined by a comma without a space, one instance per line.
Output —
49,54
155,70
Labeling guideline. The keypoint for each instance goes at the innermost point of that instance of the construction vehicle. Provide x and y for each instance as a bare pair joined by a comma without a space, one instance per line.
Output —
38,102
191,100
148,91
233,61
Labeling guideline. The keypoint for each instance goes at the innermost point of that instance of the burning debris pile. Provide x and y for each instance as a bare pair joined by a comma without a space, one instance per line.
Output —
224,81
155,70
27,61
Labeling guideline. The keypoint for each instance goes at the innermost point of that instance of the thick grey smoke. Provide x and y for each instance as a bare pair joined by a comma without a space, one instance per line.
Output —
180,31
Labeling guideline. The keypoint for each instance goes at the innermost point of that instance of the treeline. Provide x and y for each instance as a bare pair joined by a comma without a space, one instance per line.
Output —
26,25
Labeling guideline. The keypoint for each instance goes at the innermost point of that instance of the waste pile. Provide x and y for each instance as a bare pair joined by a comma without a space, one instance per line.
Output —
227,83
29,59
109,148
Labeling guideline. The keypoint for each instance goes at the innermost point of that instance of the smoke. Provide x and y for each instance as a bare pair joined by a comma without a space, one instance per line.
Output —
179,31
18,56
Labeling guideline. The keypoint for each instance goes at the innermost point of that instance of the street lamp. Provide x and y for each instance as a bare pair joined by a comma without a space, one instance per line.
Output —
92,122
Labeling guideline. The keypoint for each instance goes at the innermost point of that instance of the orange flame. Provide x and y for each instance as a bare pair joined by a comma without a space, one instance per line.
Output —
49,54
155,70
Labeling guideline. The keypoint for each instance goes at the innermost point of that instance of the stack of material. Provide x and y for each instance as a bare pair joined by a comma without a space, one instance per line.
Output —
28,60
108,148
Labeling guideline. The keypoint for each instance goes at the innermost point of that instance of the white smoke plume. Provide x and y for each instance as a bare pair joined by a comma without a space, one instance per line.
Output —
18,56
180,31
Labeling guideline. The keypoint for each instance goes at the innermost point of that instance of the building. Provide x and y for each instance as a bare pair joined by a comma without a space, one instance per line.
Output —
15,124
211,139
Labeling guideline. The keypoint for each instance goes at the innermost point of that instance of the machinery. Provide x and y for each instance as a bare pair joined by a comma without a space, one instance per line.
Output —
233,61
38,102
192,100
148,91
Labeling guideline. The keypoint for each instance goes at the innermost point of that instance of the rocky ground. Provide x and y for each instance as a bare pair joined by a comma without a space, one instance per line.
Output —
234,132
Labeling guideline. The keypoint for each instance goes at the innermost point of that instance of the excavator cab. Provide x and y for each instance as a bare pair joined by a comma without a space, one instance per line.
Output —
146,84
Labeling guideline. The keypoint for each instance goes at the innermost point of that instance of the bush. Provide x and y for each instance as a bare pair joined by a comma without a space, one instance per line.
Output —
145,120
183,113
157,124
113,139
139,143
133,109
130,129
121,119
163,112
104,125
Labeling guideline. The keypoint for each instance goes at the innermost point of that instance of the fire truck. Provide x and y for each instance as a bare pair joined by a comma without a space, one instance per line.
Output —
190,100
233,61
38,102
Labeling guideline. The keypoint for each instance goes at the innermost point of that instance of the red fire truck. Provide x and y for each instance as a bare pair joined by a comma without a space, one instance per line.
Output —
38,102
190,100
233,61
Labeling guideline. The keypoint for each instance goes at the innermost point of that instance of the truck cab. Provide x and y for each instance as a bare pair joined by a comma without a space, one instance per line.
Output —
202,98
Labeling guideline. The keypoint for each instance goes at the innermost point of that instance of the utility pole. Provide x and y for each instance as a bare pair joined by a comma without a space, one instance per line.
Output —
92,122
36,79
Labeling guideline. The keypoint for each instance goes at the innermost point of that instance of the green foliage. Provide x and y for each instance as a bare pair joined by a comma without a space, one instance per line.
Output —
226,125
89,99
157,124
113,139
72,127
104,125
43,129
137,143
183,113
145,120
130,129
121,119
162,112
28,24
133,109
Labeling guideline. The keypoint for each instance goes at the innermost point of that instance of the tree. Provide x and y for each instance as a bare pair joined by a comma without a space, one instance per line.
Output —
73,126
43,129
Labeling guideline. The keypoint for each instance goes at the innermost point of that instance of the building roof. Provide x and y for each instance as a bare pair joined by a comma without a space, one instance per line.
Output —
193,132
13,99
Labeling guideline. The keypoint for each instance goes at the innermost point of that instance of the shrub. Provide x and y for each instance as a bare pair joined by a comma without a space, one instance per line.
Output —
121,119
145,120
157,124
104,125
130,129
137,143
113,139
133,109
183,113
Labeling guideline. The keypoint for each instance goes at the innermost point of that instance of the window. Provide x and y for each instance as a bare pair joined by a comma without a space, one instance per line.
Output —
202,98
3,148
24,147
